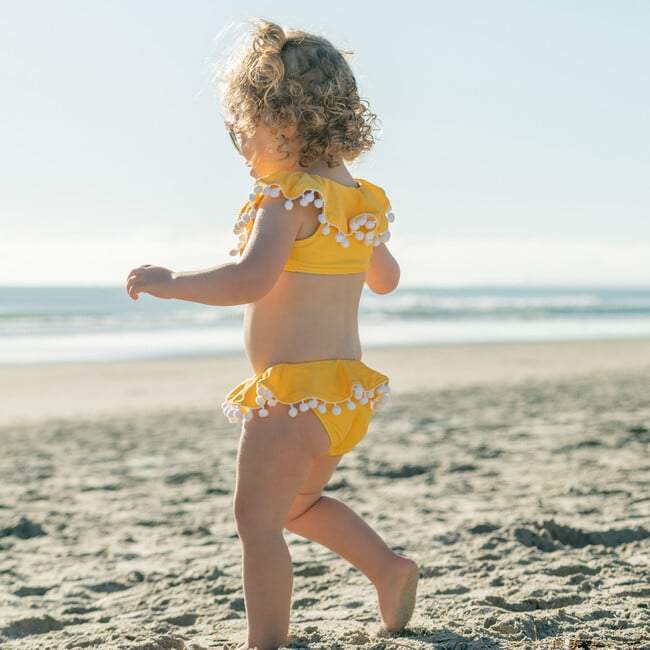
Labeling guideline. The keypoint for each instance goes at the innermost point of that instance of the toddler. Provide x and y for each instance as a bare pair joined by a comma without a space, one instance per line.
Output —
310,236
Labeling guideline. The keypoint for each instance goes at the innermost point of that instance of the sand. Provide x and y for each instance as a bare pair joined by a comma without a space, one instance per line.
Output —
517,475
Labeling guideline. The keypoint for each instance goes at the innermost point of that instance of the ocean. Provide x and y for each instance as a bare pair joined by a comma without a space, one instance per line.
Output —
51,325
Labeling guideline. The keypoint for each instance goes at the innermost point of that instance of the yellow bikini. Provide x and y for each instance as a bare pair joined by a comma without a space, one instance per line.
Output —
342,393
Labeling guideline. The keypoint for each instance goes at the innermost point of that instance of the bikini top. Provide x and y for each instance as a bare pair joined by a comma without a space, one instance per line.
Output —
352,221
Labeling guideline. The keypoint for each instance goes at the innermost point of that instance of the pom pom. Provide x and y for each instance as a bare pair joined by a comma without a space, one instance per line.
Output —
351,405
326,230
268,394
275,191
359,235
293,411
251,197
379,402
234,252
246,218
252,213
318,203
370,224
340,238
391,217
248,416
363,400
260,401
266,191
272,402
313,403
306,199
257,189
322,408
345,243
288,204
259,390
361,219
263,413
353,224
336,409
322,218
304,406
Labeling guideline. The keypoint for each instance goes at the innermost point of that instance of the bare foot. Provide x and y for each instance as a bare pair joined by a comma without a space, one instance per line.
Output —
397,594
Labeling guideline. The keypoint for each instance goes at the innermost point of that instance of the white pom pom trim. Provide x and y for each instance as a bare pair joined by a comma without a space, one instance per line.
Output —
265,399
361,227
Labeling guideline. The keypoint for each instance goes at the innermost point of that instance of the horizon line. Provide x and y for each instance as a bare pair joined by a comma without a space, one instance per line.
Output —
406,286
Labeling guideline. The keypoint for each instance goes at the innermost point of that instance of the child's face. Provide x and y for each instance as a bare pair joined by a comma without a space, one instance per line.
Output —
261,152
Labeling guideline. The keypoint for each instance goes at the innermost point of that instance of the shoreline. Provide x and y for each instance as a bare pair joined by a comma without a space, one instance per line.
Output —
35,392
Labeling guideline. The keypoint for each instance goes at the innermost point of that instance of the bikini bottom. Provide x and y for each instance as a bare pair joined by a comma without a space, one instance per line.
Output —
342,393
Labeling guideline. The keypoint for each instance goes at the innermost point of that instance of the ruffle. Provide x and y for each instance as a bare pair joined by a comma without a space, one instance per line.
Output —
327,386
367,203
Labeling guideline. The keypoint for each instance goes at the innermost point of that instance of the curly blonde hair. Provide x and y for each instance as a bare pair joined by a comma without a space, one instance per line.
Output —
292,78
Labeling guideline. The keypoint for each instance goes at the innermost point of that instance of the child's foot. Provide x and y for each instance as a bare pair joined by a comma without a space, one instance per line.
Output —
397,594
247,646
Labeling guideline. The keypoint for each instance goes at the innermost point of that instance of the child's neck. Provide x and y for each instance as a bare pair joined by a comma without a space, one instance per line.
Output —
339,173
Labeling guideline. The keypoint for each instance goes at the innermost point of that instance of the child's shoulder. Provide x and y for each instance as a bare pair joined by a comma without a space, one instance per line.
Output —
360,210
307,188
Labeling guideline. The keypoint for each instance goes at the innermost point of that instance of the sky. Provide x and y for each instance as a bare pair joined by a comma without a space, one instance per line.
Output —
515,143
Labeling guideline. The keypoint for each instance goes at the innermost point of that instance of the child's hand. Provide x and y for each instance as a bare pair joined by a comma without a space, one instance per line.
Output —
154,280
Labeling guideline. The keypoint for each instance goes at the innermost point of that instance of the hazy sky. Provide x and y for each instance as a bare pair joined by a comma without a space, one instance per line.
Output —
515,145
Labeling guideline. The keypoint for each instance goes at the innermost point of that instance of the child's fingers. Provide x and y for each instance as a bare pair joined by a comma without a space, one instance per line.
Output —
133,287
132,290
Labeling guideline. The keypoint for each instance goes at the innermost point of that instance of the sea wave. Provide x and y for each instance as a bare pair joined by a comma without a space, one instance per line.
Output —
103,324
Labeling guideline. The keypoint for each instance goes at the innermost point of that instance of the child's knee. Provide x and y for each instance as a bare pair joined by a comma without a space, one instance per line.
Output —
244,514
251,519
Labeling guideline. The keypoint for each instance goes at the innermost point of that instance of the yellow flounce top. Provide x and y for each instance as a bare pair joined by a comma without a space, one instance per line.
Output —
352,221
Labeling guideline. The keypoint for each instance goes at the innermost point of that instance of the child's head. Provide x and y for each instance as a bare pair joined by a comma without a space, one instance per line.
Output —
299,83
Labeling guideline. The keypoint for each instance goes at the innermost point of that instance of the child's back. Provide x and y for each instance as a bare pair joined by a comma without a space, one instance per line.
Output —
310,313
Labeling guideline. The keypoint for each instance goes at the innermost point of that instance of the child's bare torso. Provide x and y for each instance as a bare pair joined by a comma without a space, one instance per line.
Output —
305,317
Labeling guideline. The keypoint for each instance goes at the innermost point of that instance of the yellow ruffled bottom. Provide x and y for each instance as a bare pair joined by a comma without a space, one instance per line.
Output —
342,393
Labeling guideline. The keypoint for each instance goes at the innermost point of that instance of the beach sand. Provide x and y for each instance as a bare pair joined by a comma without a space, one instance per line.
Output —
516,475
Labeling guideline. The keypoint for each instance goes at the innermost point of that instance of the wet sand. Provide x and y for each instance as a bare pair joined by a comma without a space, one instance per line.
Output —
517,475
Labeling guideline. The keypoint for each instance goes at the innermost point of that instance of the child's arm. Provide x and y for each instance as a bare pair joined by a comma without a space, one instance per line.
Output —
235,283
383,274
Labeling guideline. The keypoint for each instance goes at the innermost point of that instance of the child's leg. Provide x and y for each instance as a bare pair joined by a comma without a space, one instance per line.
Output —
276,454
332,524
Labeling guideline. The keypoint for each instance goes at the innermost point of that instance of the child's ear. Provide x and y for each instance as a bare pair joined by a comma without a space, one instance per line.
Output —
288,122
290,131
